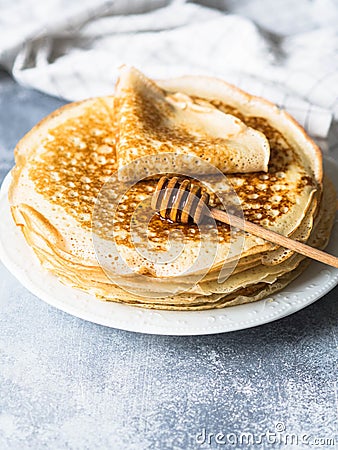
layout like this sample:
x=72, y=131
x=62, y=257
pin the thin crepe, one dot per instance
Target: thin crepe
x=63, y=164
x=150, y=122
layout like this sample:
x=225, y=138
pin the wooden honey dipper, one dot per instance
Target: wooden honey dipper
x=180, y=201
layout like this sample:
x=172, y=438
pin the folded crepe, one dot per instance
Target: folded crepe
x=149, y=121
x=64, y=191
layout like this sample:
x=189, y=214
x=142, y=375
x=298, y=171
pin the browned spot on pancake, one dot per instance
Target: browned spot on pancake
x=149, y=120
x=80, y=157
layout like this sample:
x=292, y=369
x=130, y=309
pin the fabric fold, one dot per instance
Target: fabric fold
x=73, y=50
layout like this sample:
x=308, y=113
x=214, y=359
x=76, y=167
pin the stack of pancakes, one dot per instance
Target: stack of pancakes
x=66, y=197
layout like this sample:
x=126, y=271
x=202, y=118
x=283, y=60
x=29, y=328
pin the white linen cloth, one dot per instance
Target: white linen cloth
x=284, y=50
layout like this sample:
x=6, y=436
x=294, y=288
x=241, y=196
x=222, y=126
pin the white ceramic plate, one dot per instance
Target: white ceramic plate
x=21, y=261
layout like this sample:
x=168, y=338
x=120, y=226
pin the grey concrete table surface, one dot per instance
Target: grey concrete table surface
x=70, y=384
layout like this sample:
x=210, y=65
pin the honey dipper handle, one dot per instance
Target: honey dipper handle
x=274, y=237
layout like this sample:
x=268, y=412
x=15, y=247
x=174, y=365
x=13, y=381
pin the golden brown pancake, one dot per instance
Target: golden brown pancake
x=148, y=122
x=68, y=159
